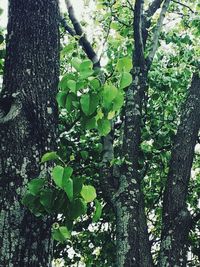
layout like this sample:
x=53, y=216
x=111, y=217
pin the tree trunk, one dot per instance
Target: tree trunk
x=133, y=246
x=28, y=122
x=176, y=217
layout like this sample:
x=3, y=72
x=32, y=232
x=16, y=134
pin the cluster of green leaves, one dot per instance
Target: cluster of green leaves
x=63, y=194
x=94, y=102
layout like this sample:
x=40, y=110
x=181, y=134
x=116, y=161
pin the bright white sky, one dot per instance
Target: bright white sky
x=78, y=7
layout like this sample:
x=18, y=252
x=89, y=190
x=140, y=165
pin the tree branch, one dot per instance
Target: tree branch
x=139, y=60
x=157, y=32
x=184, y=5
x=64, y=24
x=176, y=217
x=153, y=7
x=83, y=39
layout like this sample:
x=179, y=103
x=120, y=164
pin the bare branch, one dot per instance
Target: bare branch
x=184, y=5
x=157, y=32
x=87, y=47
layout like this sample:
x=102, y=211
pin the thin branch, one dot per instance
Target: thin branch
x=139, y=60
x=120, y=21
x=157, y=32
x=87, y=47
x=184, y=5
x=130, y=5
x=64, y=24
x=153, y=7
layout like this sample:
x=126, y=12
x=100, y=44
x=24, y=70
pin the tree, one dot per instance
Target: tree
x=28, y=124
x=126, y=194
x=130, y=129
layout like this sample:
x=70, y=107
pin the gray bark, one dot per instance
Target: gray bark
x=27, y=127
x=176, y=217
x=133, y=247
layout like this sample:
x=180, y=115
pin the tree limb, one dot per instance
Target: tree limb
x=153, y=7
x=83, y=39
x=176, y=218
x=184, y=5
x=139, y=60
x=157, y=32
x=64, y=24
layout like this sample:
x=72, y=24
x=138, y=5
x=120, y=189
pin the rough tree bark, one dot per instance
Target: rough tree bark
x=176, y=217
x=28, y=125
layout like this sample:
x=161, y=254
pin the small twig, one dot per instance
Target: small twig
x=120, y=21
x=184, y=5
x=131, y=6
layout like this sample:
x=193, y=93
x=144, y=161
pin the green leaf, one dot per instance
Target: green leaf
x=57, y=175
x=124, y=64
x=85, y=103
x=72, y=85
x=67, y=49
x=61, y=99
x=86, y=73
x=71, y=101
x=84, y=154
x=68, y=187
x=77, y=185
x=76, y=63
x=98, y=211
x=46, y=198
x=35, y=186
x=65, y=232
x=80, y=85
x=49, y=156
x=28, y=199
x=89, y=103
x=126, y=80
x=109, y=93
x=118, y=101
x=63, y=83
x=67, y=172
x=104, y=127
x=78, y=208
x=88, y=193
x=95, y=84
x=86, y=65
x=90, y=124
x=61, y=234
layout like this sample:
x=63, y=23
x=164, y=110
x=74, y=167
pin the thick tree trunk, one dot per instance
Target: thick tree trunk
x=133, y=247
x=28, y=123
x=176, y=217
